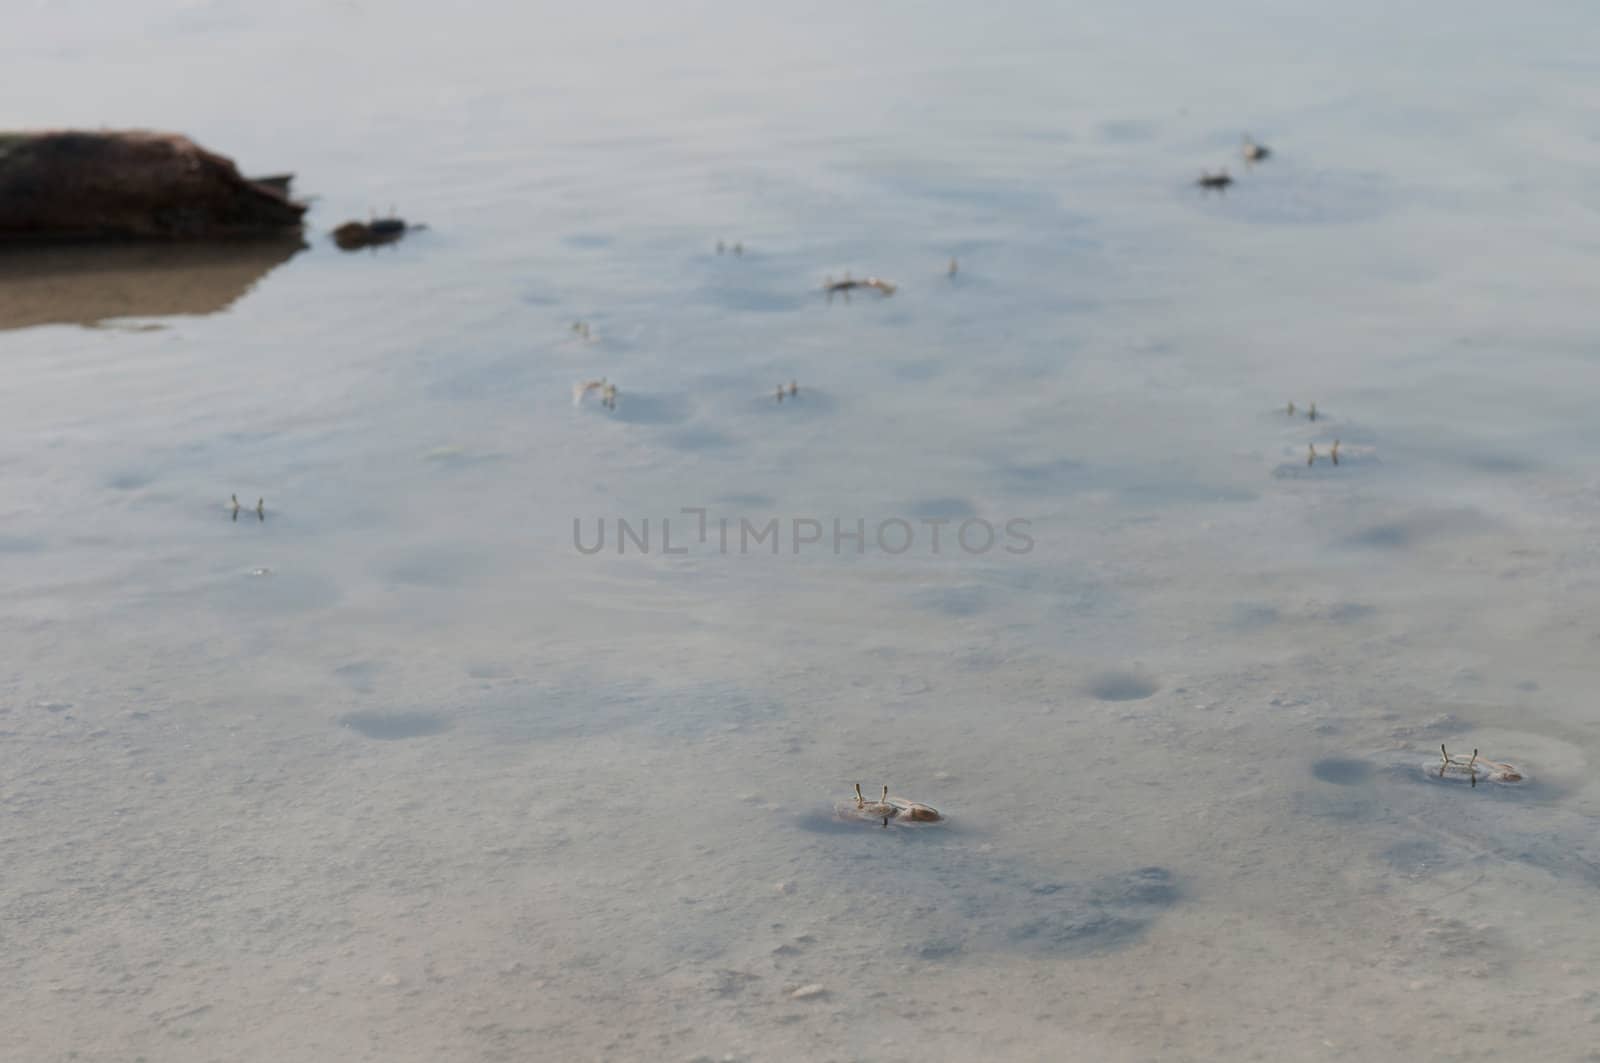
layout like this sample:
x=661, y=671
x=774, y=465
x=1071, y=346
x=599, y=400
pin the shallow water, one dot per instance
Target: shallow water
x=400, y=773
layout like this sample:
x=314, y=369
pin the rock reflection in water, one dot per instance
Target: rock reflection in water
x=79, y=284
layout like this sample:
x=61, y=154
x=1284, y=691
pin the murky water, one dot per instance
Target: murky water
x=400, y=773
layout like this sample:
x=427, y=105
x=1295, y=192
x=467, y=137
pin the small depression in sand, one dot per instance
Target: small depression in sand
x=1342, y=771
x=1121, y=685
x=955, y=899
x=943, y=509
x=130, y=480
x=643, y=408
x=1420, y=823
x=389, y=726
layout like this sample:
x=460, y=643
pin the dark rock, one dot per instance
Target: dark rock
x=68, y=184
x=278, y=182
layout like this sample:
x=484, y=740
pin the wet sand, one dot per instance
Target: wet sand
x=398, y=773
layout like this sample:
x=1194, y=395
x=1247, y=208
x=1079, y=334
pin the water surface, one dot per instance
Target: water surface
x=398, y=773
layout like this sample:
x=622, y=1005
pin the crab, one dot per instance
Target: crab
x=607, y=390
x=354, y=235
x=1253, y=152
x=261, y=507
x=1471, y=768
x=886, y=809
x=848, y=285
x=1218, y=181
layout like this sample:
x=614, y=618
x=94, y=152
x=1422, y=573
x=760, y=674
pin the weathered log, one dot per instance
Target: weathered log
x=131, y=185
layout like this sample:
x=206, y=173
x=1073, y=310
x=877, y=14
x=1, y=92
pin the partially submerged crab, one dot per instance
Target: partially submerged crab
x=886, y=809
x=607, y=390
x=261, y=507
x=846, y=286
x=354, y=235
x=1321, y=461
x=1333, y=452
x=1472, y=768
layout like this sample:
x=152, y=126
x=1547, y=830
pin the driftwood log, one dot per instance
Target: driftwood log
x=132, y=185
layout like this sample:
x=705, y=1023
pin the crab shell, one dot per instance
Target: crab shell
x=916, y=812
x=895, y=810
x=1463, y=769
